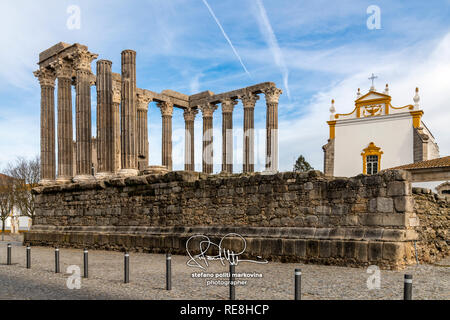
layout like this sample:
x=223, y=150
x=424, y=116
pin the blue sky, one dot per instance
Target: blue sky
x=314, y=50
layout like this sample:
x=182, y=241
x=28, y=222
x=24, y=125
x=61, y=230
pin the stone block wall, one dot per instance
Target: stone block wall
x=433, y=212
x=288, y=216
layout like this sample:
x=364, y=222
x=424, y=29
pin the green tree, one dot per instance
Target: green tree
x=301, y=165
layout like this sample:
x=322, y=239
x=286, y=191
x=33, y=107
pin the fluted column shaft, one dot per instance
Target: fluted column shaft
x=208, y=152
x=142, y=115
x=272, y=96
x=249, y=102
x=64, y=71
x=189, y=156
x=84, y=77
x=129, y=111
x=47, y=81
x=227, y=135
x=166, y=112
x=116, y=145
x=105, y=133
x=83, y=123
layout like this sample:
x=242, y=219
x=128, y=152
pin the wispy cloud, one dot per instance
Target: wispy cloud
x=272, y=42
x=226, y=37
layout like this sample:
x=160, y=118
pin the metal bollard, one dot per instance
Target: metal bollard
x=298, y=284
x=28, y=257
x=407, y=292
x=86, y=263
x=56, y=260
x=8, y=254
x=168, y=271
x=127, y=268
x=232, y=288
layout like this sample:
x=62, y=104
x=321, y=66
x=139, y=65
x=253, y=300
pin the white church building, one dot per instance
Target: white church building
x=376, y=135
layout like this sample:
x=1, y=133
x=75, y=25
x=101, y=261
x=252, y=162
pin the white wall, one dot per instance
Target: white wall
x=392, y=133
x=24, y=223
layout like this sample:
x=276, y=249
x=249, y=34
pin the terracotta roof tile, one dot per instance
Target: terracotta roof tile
x=434, y=163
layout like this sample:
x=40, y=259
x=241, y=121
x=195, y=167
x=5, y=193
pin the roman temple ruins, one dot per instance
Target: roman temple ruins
x=103, y=194
x=121, y=143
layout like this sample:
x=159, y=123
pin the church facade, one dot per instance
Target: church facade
x=376, y=135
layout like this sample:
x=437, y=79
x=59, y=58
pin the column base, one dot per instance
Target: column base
x=64, y=180
x=269, y=172
x=104, y=175
x=129, y=172
x=156, y=170
x=46, y=182
x=83, y=178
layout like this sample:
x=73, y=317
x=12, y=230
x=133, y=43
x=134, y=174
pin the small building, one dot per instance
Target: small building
x=444, y=190
x=376, y=135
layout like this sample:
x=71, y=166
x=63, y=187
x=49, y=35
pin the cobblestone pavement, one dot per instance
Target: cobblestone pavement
x=147, y=279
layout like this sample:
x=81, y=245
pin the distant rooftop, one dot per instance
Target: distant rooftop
x=435, y=163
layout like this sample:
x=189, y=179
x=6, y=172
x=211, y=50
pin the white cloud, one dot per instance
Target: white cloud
x=226, y=37
x=403, y=71
x=272, y=42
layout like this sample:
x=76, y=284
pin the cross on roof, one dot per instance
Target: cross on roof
x=373, y=77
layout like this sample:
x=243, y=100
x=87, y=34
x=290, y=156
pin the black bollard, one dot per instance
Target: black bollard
x=126, y=268
x=407, y=292
x=168, y=271
x=298, y=284
x=232, y=288
x=8, y=254
x=56, y=260
x=28, y=257
x=86, y=263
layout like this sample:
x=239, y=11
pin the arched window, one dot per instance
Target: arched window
x=371, y=159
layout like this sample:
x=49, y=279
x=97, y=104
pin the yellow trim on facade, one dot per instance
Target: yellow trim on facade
x=332, y=125
x=371, y=150
x=409, y=106
x=417, y=117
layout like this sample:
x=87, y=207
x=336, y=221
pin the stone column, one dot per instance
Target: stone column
x=166, y=113
x=105, y=130
x=47, y=81
x=64, y=73
x=272, y=95
x=189, y=153
x=117, y=96
x=142, y=130
x=249, y=102
x=227, y=135
x=128, y=114
x=208, y=153
x=82, y=64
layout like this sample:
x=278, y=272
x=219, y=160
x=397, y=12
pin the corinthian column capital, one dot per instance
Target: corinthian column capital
x=166, y=108
x=142, y=101
x=249, y=100
x=228, y=105
x=208, y=109
x=82, y=60
x=117, y=89
x=46, y=77
x=63, y=68
x=189, y=114
x=272, y=94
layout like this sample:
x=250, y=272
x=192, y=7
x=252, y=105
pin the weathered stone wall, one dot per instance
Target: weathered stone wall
x=433, y=212
x=287, y=216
